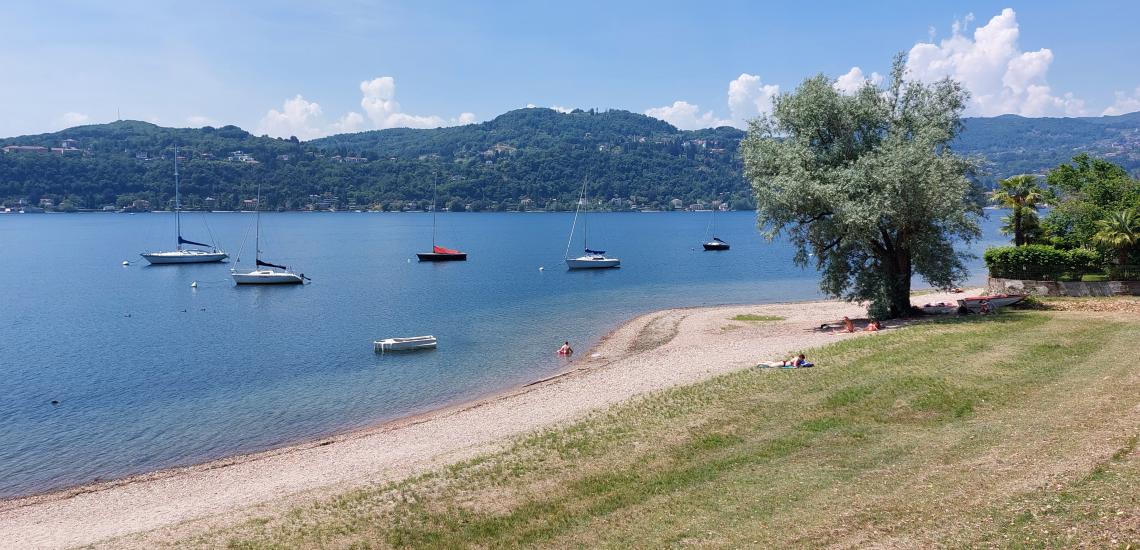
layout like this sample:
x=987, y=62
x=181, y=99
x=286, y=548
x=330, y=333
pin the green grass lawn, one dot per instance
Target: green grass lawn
x=752, y=317
x=1015, y=430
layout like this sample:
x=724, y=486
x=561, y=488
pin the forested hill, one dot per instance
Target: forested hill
x=529, y=158
x=1018, y=145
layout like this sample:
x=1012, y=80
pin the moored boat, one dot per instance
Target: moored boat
x=183, y=255
x=715, y=244
x=593, y=259
x=273, y=274
x=441, y=254
x=404, y=344
x=590, y=259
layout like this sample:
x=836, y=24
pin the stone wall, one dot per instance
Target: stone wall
x=1063, y=288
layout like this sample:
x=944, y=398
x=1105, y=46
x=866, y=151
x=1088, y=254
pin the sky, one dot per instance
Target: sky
x=309, y=69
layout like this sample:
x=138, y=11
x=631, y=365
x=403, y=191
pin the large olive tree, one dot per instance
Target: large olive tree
x=868, y=184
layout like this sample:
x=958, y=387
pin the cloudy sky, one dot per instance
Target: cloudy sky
x=300, y=68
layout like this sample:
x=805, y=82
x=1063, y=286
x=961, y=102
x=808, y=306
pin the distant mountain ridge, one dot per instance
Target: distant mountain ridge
x=530, y=158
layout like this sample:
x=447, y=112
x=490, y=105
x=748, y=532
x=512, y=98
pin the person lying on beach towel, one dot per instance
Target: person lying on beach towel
x=796, y=362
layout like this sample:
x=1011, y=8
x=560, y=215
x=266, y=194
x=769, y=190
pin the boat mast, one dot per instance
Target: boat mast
x=177, y=202
x=585, y=218
x=434, y=192
x=257, y=229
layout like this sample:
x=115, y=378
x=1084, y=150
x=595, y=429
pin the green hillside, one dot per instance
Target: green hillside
x=527, y=158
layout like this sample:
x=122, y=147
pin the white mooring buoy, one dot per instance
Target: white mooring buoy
x=126, y=262
x=194, y=284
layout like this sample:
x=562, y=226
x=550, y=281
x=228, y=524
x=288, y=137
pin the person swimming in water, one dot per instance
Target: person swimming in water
x=565, y=349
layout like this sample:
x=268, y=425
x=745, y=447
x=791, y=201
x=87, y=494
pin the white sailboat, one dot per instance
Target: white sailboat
x=183, y=255
x=265, y=273
x=590, y=259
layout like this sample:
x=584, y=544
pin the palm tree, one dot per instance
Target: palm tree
x=1020, y=194
x=1119, y=231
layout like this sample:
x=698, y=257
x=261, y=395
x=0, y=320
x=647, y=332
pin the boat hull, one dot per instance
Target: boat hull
x=715, y=246
x=267, y=277
x=184, y=257
x=592, y=263
x=437, y=257
x=414, y=343
x=974, y=303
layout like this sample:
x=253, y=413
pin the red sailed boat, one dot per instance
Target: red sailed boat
x=441, y=254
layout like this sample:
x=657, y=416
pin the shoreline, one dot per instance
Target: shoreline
x=15, y=501
x=650, y=352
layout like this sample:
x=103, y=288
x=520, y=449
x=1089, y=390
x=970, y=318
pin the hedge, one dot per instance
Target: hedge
x=1041, y=262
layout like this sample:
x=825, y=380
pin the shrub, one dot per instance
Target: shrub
x=1083, y=261
x=1040, y=262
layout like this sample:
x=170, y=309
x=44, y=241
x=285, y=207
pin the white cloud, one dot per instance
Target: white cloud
x=198, y=121
x=305, y=119
x=297, y=117
x=379, y=103
x=561, y=109
x=352, y=121
x=749, y=98
x=74, y=119
x=686, y=116
x=1124, y=103
x=531, y=106
x=854, y=79
x=1000, y=77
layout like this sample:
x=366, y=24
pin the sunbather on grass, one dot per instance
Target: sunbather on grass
x=796, y=362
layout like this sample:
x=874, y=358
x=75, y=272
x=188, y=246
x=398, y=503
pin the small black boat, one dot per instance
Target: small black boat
x=441, y=254
x=716, y=244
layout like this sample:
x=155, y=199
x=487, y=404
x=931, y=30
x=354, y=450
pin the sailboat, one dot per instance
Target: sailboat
x=716, y=243
x=272, y=274
x=183, y=255
x=590, y=259
x=439, y=253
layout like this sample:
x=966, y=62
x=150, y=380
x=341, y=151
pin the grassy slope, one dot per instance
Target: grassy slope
x=1016, y=430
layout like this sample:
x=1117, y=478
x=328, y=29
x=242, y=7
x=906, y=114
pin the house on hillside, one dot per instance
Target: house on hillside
x=25, y=149
x=238, y=156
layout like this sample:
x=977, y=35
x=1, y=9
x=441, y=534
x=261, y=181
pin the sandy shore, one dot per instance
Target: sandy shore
x=651, y=352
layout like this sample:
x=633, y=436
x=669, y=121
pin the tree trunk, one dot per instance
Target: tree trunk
x=897, y=284
x=1018, y=236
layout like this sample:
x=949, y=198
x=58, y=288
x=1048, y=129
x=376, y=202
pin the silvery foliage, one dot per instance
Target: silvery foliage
x=868, y=184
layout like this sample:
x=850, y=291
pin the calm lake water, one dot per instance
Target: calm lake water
x=151, y=373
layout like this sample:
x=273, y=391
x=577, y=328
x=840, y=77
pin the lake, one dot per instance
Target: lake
x=151, y=373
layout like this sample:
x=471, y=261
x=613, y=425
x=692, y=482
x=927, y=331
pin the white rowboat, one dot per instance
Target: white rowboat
x=404, y=344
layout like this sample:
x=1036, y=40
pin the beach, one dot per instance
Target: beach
x=651, y=352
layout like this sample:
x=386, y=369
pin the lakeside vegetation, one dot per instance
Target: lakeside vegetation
x=752, y=317
x=524, y=159
x=949, y=433
x=1093, y=231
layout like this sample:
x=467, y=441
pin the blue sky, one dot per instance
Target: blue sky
x=306, y=69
